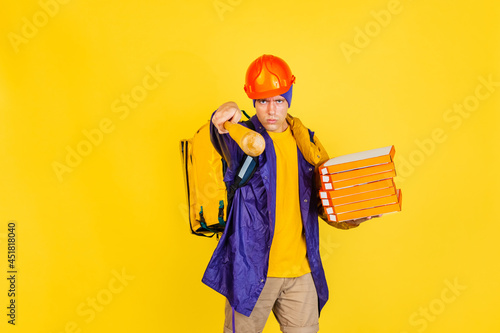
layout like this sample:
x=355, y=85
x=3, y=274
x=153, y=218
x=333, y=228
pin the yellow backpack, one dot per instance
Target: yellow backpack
x=207, y=195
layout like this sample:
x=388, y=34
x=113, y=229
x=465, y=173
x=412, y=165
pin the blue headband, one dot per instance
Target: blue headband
x=287, y=96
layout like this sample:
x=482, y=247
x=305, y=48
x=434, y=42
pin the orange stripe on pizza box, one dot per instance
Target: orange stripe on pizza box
x=332, y=194
x=387, y=200
x=358, y=160
x=396, y=207
x=358, y=181
x=357, y=173
x=348, y=199
x=354, y=206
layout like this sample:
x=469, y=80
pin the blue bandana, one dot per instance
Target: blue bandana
x=287, y=95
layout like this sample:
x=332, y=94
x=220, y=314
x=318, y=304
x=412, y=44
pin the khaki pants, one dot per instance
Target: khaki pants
x=294, y=302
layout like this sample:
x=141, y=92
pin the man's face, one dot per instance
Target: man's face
x=272, y=113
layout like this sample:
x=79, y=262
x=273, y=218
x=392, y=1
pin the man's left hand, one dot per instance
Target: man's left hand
x=357, y=222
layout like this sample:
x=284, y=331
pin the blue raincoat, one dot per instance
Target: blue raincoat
x=238, y=267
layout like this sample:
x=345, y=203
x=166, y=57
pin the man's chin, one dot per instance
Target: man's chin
x=277, y=128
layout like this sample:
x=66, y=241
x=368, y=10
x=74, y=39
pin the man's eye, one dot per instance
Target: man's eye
x=262, y=101
x=279, y=101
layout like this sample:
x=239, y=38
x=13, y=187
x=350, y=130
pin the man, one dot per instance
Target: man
x=268, y=257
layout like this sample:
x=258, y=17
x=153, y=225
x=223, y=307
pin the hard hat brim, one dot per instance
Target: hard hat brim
x=267, y=94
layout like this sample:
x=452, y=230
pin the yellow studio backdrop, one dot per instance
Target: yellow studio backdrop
x=95, y=97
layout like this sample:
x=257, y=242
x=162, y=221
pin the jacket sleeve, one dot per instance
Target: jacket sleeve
x=321, y=209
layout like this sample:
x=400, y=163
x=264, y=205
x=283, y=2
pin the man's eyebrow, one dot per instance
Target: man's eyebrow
x=270, y=98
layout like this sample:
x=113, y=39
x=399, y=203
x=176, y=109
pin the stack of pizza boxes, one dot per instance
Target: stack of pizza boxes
x=359, y=185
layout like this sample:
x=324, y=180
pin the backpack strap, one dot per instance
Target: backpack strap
x=244, y=173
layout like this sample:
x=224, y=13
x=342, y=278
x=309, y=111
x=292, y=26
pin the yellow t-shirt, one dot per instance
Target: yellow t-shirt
x=288, y=256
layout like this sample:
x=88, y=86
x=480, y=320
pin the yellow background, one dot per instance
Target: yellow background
x=122, y=208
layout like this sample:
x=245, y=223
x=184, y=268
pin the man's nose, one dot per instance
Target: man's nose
x=272, y=107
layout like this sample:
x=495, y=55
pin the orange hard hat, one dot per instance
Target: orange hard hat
x=268, y=76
